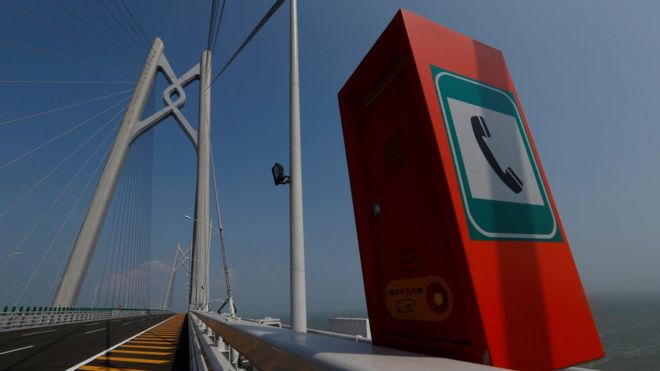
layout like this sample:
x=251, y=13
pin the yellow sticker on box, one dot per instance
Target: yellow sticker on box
x=426, y=298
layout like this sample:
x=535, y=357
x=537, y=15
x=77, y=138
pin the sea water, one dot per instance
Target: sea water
x=629, y=327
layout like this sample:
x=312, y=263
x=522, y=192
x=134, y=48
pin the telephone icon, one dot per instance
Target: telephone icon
x=509, y=176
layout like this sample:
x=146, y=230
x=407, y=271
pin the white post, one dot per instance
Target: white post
x=298, y=296
x=76, y=269
x=200, y=252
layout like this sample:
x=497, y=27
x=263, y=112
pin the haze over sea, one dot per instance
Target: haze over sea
x=629, y=327
x=628, y=324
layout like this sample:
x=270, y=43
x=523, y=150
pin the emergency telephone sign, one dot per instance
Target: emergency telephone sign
x=463, y=251
x=501, y=187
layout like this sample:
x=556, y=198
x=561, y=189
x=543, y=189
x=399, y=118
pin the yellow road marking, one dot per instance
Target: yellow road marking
x=103, y=368
x=133, y=360
x=144, y=347
x=143, y=352
x=152, y=342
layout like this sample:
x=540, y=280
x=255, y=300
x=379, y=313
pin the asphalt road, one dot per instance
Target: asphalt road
x=62, y=346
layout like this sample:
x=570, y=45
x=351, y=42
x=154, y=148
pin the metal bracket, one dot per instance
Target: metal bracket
x=177, y=85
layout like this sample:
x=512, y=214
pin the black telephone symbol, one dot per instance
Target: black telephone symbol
x=509, y=176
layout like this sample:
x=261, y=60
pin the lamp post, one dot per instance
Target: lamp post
x=298, y=294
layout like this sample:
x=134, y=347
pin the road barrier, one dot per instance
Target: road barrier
x=269, y=347
x=14, y=318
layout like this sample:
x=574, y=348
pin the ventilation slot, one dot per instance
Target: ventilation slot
x=408, y=260
x=393, y=155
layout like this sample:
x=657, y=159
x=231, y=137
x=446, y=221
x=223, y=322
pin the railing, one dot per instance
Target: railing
x=275, y=348
x=27, y=317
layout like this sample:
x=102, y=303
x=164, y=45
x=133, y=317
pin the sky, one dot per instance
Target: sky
x=585, y=71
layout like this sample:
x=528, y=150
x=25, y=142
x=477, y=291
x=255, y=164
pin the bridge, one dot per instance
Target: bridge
x=118, y=325
x=76, y=223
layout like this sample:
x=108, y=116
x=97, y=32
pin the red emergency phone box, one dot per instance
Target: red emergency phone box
x=462, y=250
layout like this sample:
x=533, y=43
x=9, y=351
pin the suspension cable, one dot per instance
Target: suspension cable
x=111, y=28
x=90, y=27
x=119, y=206
x=71, y=105
x=52, y=26
x=214, y=8
x=65, y=57
x=114, y=17
x=221, y=231
x=247, y=40
x=217, y=27
x=75, y=204
x=144, y=35
x=125, y=231
x=60, y=135
x=128, y=17
x=57, y=198
x=64, y=82
x=56, y=167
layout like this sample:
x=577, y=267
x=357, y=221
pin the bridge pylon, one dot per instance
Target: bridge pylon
x=131, y=128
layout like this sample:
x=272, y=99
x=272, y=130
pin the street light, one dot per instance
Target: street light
x=213, y=229
x=278, y=174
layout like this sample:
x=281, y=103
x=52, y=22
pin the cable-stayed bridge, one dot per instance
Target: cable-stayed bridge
x=111, y=184
x=82, y=214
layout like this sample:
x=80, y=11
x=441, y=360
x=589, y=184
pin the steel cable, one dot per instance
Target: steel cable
x=144, y=35
x=119, y=207
x=64, y=82
x=59, y=136
x=126, y=17
x=53, y=27
x=247, y=40
x=66, y=57
x=57, y=109
x=52, y=204
x=116, y=272
x=114, y=17
x=102, y=19
x=217, y=27
x=66, y=187
x=54, y=169
x=103, y=36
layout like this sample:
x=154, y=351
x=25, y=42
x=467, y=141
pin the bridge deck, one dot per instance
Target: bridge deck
x=164, y=347
x=63, y=346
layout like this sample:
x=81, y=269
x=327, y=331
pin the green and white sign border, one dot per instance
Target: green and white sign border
x=481, y=233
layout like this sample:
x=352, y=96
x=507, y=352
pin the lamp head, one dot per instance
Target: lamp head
x=278, y=174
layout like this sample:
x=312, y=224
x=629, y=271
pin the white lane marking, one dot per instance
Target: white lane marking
x=16, y=350
x=127, y=323
x=90, y=359
x=97, y=330
x=92, y=324
x=39, y=332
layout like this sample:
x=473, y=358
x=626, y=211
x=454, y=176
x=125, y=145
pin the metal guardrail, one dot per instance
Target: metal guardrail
x=15, y=318
x=355, y=338
x=195, y=352
x=207, y=348
x=275, y=348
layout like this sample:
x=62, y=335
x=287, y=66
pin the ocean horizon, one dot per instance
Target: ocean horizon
x=628, y=325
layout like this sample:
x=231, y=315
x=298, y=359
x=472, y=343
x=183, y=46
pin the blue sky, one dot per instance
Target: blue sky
x=586, y=73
